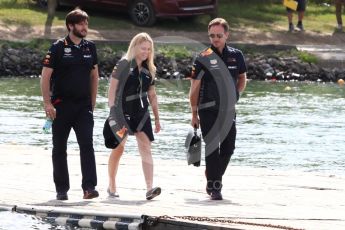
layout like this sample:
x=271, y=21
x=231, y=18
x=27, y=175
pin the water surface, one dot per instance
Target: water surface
x=286, y=126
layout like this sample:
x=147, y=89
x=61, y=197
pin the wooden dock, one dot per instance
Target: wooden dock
x=253, y=198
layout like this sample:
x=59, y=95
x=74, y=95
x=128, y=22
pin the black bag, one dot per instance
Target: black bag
x=193, y=148
x=110, y=141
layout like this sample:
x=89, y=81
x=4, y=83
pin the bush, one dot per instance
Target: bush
x=174, y=51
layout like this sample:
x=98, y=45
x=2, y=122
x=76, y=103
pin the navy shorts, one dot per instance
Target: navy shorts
x=300, y=7
x=140, y=122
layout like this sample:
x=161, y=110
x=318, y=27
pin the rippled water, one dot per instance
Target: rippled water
x=17, y=221
x=283, y=126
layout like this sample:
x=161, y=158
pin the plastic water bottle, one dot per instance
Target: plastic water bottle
x=47, y=125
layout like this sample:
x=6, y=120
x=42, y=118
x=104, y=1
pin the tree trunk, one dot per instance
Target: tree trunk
x=51, y=6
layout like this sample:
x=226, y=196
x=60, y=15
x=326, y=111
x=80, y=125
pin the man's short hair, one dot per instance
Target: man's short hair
x=219, y=21
x=76, y=16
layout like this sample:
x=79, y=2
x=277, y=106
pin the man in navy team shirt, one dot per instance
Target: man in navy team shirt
x=218, y=76
x=69, y=87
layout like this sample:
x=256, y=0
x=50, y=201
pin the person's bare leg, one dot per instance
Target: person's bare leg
x=289, y=16
x=300, y=16
x=300, y=20
x=113, y=165
x=144, y=146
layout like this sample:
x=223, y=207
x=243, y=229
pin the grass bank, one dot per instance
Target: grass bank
x=168, y=51
x=262, y=15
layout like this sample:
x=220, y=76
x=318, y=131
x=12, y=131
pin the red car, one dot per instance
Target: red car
x=145, y=12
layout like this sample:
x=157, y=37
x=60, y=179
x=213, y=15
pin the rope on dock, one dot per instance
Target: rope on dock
x=222, y=220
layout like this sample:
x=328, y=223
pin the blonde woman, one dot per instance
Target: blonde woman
x=131, y=91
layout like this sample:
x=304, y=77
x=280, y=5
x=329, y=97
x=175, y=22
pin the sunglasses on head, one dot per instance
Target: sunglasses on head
x=216, y=35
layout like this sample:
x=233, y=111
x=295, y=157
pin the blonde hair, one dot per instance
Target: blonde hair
x=219, y=21
x=131, y=52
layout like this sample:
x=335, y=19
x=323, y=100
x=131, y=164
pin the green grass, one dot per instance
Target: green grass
x=25, y=13
x=174, y=51
x=263, y=15
x=272, y=16
x=307, y=57
x=302, y=55
x=38, y=44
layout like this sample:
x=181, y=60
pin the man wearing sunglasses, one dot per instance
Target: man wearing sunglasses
x=218, y=76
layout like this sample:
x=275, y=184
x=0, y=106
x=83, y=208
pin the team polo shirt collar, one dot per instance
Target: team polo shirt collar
x=69, y=42
x=217, y=52
x=144, y=67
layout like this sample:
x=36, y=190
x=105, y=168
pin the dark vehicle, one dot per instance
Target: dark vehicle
x=145, y=12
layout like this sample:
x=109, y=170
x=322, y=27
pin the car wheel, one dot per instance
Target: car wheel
x=142, y=13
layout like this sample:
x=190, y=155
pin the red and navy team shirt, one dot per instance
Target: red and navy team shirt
x=72, y=65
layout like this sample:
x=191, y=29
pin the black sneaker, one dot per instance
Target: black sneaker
x=90, y=194
x=300, y=26
x=61, y=196
x=216, y=195
x=291, y=27
x=153, y=193
x=208, y=190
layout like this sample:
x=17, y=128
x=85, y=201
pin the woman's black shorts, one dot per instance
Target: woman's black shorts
x=140, y=122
